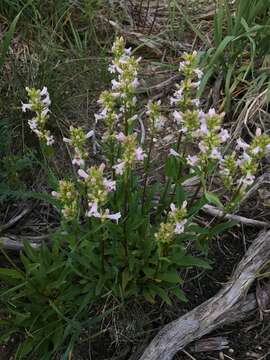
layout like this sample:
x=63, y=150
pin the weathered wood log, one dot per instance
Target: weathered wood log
x=230, y=304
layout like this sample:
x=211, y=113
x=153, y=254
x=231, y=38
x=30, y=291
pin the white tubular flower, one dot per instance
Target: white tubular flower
x=114, y=217
x=203, y=147
x=83, y=174
x=49, y=140
x=258, y=132
x=110, y=185
x=93, y=210
x=241, y=144
x=192, y=160
x=26, y=107
x=247, y=180
x=178, y=117
x=120, y=137
x=120, y=167
x=196, y=102
x=199, y=73
x=223, y=135
x=215, y=154
x=139, y=154
x=180, y=226
x=77, y=160
x=174, y=153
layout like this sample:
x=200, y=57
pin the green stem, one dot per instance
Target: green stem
x=147, y=167
x=195, y=195
x=10, y=260
x=168, y=182
x=126, y=212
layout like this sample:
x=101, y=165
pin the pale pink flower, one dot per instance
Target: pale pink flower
x=93, y=210
x=196, y=102
x=26, y=107
x=180, y=227
x=178, y=117
x=44, y=91
x=258, y=132
x=114, y=217
x=83, y=174
x=139, y=154
x=77, y=160
x=89, y=134
x=33, y=124
x=215, y=154
x=110, y=185
x=184, y=205
x=55, y=194
x=192, y=160
x=45, y=112
x=47, y=101
x=203, y=147
x=49, y=140
x=199, y=73
x=247, y=180
x=256, y=150
x=66, y=140
x=241, y=144
x=172, y=207
x=223, y=135
x=120, y=137
x=119, y=168
x=173, y=153
x=212, y=112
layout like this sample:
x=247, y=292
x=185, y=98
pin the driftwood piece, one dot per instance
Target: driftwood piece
x=230, y=304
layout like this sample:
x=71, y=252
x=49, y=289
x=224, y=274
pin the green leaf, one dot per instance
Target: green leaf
x=149, y=272
x=179, y=294
x=213, y=199
x=161, y=293
x=170, y=276
x=7, y=274
x=148, y=296
x=220, y=228
x=125, y=278
x=190, y=260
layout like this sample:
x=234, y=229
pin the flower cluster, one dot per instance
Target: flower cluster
x=131, y=152
x=118, y=103
x=108, y=113
x=68, y=196
x=175, y=224
x=97, y=189
x=39, y=102
x=156, y=121
x=210, y=136
x=246, y=164
x=186, y=112
x=194, y=123
x=78, y=140
x=126, y=67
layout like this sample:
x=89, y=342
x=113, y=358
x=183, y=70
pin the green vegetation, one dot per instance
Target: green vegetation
x=123, y=225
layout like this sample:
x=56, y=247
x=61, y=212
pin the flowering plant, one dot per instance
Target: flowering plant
x=125, y=241
x=124, y=232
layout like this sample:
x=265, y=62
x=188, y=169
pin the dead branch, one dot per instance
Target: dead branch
x=15, y=219
x=230, y=304
x=209, y=209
